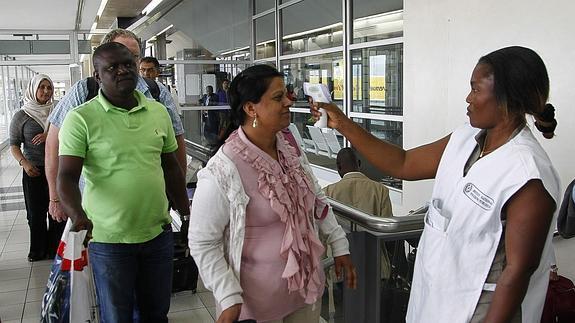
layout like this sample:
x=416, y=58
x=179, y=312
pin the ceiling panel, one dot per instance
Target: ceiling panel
x=39, y=15
x=61, y=15
x=120, y=8
x=58, y=73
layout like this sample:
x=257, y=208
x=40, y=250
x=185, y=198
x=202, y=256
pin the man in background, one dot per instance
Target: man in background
x=223, y=93
x=209, y=98
x=358, y=190
x=79, y=93
x=211, y=117
x=149, y=67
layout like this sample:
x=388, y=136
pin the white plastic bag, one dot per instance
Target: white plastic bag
x=83, y=307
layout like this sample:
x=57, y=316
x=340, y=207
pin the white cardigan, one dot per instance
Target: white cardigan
x=217, y=226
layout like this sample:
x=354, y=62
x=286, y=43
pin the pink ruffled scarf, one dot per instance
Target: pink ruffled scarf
x=291, y=196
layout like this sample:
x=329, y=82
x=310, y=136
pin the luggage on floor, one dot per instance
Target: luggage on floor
x=185, y=273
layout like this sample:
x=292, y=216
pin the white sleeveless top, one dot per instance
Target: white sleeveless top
x=463, y=227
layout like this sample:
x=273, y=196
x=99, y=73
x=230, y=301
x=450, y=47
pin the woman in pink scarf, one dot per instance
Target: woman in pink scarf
x=257, y=211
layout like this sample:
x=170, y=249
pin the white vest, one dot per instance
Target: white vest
x=463, y=227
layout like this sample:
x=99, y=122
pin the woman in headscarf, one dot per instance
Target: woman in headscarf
x=29, y=127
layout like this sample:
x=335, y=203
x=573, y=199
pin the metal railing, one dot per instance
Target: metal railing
x=367, y=239
x=410, y=224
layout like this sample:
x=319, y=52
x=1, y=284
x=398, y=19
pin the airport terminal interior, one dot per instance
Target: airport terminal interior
x=399, y=69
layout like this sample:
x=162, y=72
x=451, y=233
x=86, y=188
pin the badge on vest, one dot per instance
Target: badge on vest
x=478, y=197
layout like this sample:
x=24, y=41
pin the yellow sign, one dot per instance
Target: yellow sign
x=377, y=88
x=376, y=84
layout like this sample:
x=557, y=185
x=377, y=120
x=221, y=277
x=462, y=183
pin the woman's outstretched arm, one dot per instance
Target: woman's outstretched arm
x=413, y=164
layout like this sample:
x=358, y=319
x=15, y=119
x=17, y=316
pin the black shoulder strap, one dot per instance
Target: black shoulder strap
x=93, y=87
x=154, y=88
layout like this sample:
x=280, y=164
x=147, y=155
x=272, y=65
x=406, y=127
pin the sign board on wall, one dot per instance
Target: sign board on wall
x=193, y=84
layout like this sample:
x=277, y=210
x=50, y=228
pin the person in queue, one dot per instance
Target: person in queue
x=124, y=144
x=28, y=128
x=258, y=251
x=149, y=67
x=486, y=251
x=78, y=94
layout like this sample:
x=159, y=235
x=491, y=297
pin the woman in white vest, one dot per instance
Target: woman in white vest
x=485, y=252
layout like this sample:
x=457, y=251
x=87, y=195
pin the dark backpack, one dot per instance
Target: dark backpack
x=566, y=217
x=93, y=88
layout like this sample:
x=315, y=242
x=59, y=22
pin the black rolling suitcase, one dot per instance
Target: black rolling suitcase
x=185, y=274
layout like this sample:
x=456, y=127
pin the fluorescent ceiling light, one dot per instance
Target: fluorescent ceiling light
x=94, y=27
x=374, y=20
x=151, y=6
x=312, y=31
x=164, y=30
x=102, y=7
x=235, y=50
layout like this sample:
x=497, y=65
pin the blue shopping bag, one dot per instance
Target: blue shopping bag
x=70, y=292
x=56, y=299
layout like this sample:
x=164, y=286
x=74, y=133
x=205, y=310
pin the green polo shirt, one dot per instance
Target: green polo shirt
x=124, y=196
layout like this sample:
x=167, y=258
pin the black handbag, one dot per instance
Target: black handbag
x=185, y=272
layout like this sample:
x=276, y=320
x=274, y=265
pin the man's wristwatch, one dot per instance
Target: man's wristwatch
x=185, y=217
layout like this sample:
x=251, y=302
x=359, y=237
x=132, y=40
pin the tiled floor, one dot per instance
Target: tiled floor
x=22, y=283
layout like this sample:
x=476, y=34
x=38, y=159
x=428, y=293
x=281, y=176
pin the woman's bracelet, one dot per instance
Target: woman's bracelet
x=56, y=200
x=20, y=161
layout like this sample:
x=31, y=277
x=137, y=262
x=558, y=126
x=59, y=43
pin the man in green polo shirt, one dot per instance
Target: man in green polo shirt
x=124, y=143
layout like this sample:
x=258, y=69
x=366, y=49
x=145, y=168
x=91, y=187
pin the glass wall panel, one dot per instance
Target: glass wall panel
x=391, y=131
x=311, y=25
x=270, y=63
x=320, y=145
x=13, y=95
x=265, y=36
x=205, y=127
x=3, y=110
x=377, y=19
x=191, y=80
x=378, y=80
x=215, y=26
x=326, y=69
x=22, y=81
x=263, y=5
x=232, y=69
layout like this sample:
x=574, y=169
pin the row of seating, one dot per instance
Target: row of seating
x=323, y=140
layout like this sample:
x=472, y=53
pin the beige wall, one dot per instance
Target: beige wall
x=443, y=41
